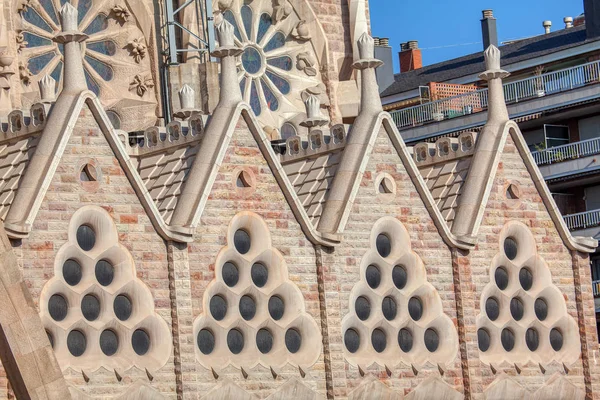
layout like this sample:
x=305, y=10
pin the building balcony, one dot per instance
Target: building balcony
x=585, y=224
x=571, y=151
x=596, y=288
x=523, y=97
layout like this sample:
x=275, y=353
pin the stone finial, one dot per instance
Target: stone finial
x=366, y=47
x=187, y=97
x=492, y=58
x=225, y=34
x=313, y=112
x=68, y=18
x=47, y=89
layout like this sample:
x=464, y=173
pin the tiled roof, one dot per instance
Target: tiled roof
x=311, y=178
x=473, y=63
x=14, y=158
x=164, y=174
x=445, y=181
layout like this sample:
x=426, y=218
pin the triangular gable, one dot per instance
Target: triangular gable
x=44, y=162
x=384, y=120
x=192, y=208
x=471, y=210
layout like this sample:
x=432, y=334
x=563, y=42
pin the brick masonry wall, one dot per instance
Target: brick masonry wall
x=64, y=197
x=530, y=210
x=343, y=268
x=225, y=201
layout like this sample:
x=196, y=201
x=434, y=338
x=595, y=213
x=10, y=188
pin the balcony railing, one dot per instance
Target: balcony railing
x=567, y=152
x=583, y=220
x=514, y=92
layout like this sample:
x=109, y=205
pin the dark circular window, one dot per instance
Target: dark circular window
x=247, y=307
x=72, y=272
x=260, y=274
x=532, y=339
x=235, y=341
x=86, y=237
x=526, y=278
x=122, y=307
x=241, y=241
x=230, y=274
x=276, y=307
x=516, y=308
x=109, y=342
x=251, y=60
x=206, y=341
x=58, y=307
x=492, y=308
x=541, y=309
x=264, y=341
x=388, y=307
x=483, y=338
x=76, y=343
x=50, y=339
x=507, y=337
x=105, y=272
x=218, y=307
x=415, y=308
x=352, y=340
x=405, y=340
x=510, y=248
x=556, y=339
x=378, y=340
x=293, y=340
x=399, y=276
x=383, y=244
x=90, y=307
x=373, y=276
x=140, y=341
x=432, y=340
x=362, y=307
x=501, y=277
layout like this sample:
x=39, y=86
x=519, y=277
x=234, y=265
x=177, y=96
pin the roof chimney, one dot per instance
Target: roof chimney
x=385, y=73
x=591, y=9
x=568, y=22
x=410, y=56
x=547, y=25
x=488, y=29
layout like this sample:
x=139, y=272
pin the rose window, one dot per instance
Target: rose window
x=278, y=61
x=111, y=58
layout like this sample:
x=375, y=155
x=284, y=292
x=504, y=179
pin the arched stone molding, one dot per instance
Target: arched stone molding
x=253, y=314
x=523, y=315
x=394, y=306
x=96, y=312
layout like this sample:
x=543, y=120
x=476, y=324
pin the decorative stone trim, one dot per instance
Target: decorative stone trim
x=385, y=185
x=318, y=143
x=174, y=135
x=394, y=306
x=94, y=268
x=241, y=304
x=445, y=149
x=523, y=315
x=244, y=181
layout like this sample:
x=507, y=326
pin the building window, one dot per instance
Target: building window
x=556, y=135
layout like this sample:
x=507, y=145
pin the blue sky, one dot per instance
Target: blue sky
x=437, y=23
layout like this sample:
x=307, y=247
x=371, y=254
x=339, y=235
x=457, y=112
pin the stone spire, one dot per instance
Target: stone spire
x=497, y=111
x=74, y=78
x=227, y=51
x=187, y=100
x=370, y=102
x=47, y=89
x=313, y=113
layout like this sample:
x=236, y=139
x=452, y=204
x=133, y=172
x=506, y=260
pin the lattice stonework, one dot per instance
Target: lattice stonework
x=253, y=314
x=395, y=314
x=523, y=314
x=279, y=62
x=116, y=53
x=97, y=313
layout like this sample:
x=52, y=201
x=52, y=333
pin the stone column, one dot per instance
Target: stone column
x=370, y=102
x=227, y=52
x=497, y=111
x=74, y=77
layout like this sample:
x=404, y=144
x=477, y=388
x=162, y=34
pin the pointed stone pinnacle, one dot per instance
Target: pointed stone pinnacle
x=187, y=97
x=492, y=58
x=225, y=34
x=366, y=47
x=312, y=104
x=68, y=18
x=47, y=88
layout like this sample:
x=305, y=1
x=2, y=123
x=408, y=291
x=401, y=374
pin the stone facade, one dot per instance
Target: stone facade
x=209, y=259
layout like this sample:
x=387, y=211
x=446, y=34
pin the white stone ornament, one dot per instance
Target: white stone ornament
x=187, y=97
x=225, y=34
x=47, y=89
x=68, y=18
x=313, y=112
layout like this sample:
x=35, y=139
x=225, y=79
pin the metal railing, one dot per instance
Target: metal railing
x=567, y=151
x=514, y=92
x=587, y=219
x=596, y=288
